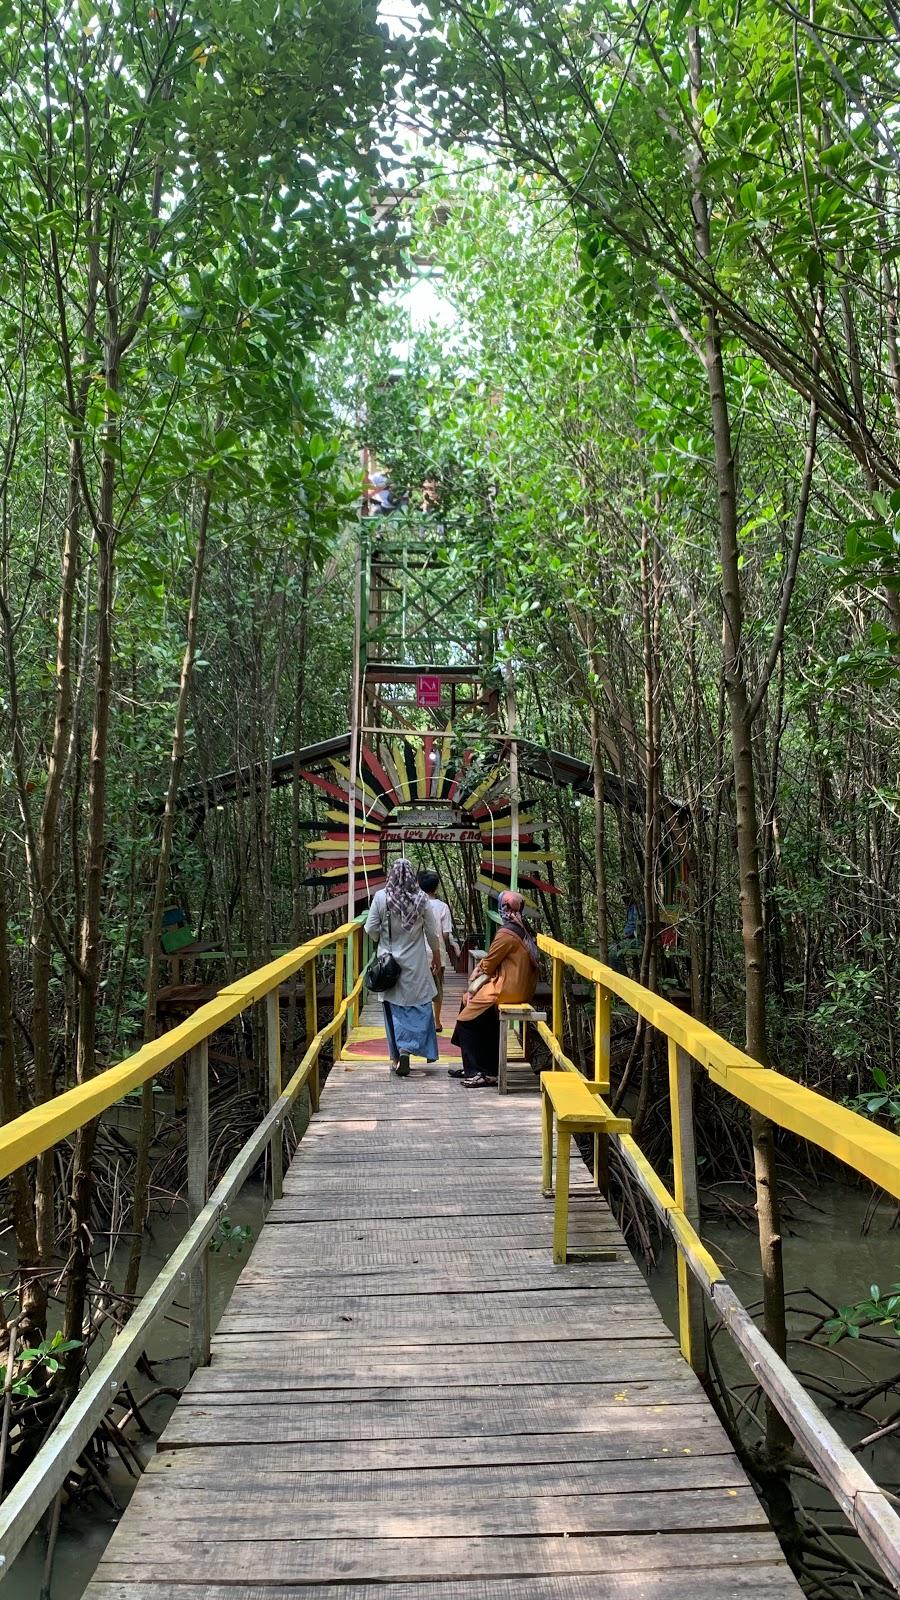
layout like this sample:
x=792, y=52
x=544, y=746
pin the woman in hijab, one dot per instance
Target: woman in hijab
x=507, y=975
x=402, y=921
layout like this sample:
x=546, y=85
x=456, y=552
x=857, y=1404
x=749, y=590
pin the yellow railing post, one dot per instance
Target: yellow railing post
x=361, y=965
x=601, y=1078
x=340, y=956
x=273, y=1058
x=198, y=1193
x=561, y=1209
x=355, y=944
x=557, y=1015
x=311, y=1015
x=546, y=1145
x=691, y=1315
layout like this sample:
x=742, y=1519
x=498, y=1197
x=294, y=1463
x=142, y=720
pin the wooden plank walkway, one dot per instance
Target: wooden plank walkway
x=408, y=1401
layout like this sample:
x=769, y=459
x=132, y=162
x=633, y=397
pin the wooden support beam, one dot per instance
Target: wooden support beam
x=691, y=1317
x=311, y=1011
x=601, y=1078
x=198, y=1194
x=273, y=1061
x=557, y=1012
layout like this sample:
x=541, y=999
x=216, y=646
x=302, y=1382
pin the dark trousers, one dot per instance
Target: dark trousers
x=479, y=1043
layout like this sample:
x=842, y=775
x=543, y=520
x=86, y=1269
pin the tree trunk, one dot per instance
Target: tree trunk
x=89, y=951
x=752, y=928
x=166, y=834
x=597, y=770
x=33, y=1290
x=296, y=855
x=41, y=963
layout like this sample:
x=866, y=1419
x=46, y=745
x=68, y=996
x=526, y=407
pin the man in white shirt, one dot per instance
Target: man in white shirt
x=430, y=882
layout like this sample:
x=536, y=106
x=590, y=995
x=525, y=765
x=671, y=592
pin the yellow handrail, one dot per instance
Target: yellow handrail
x=872, y=1151
x=39, y=1128
x=868, y=1149
x=43, y=1126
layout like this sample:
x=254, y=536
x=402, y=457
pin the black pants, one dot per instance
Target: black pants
x=479, y=1043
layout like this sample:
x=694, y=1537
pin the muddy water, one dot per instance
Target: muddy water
x=84, y=1534
x=826, y=1249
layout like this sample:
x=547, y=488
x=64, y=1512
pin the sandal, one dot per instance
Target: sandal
x=455, y=1072
x=479, y=1081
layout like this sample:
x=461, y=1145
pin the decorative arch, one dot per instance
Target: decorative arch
x=457, y=800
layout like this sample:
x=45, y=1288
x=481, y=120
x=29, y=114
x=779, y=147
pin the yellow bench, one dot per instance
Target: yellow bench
x=519, y=1015
x=576, y=1105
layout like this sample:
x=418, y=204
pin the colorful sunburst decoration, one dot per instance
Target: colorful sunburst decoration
x=417, y=789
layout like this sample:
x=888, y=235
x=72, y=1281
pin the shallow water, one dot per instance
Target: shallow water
x=827, y=1250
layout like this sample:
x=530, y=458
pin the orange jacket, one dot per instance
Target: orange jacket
x=512, y=976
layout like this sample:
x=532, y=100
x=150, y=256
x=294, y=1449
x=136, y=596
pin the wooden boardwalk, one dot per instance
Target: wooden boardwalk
x=408, y=1401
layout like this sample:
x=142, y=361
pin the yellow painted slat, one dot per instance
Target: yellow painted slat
x=481, y=789
x=445, y=747
x=359, y=865
x=333, y=847
x=527, y=826
x=496, y=886
x=421, y=771
x=404, y=790
x=525, y=857
x=385, y=756
x=344, y=772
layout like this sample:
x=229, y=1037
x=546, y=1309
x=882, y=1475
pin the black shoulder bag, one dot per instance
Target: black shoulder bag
x=384, y=971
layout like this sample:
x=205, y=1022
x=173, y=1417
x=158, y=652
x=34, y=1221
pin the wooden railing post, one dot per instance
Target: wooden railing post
x=198, y=1193
x=273, y=1059
x=601, y=1077
x=557, y=1022
x=358, y=963
x=691, y=1315
x=339, y=960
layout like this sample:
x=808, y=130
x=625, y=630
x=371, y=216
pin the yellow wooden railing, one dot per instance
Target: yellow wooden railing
x=187, y=1267
x=868, y=1149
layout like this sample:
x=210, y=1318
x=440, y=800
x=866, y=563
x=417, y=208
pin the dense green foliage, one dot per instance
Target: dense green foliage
x=659, y=420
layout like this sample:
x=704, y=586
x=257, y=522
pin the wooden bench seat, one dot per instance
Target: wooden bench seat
x=576, y=1106
x=511, y=1017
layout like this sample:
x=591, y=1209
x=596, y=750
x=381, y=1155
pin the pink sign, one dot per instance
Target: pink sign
x=428, y=690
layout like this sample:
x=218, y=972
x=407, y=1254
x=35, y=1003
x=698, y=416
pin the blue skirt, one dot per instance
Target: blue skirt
x=410, y=1031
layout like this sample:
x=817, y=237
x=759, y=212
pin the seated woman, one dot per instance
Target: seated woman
x=402, y=921
x=511, y=970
